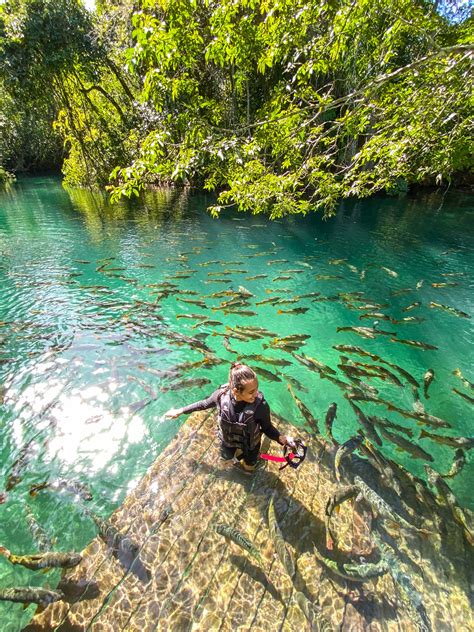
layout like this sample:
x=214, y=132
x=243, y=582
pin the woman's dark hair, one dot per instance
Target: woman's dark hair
x=239, y=374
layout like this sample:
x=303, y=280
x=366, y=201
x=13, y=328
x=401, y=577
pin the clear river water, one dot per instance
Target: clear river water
x=107, y=313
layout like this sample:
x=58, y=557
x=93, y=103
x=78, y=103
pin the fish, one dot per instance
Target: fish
x=382, y=465
x=268, y=360
x=392, y=273
x=193, y=382
x=467, y=384
x=413, y=320
x=445, y=284
x=467, y=443
x=283, y=553
x=344, y=450
x=39, y=535
x=379, y=371
x=382, y=507
x=230, y=533
x=227, y=345
x=451, y=310
x=414, y=343
x=294, y=382
x=336, y=262
x=353, y=572
x=112, y=537
x=340, y=496
x=463, y=395
x=240, y=312
x=380, y=421
x=356, y=350
x=78, y=488
x=459, y=462
x=427, y=379
x=331, y=414
x=272, y=261
x=374, y=316
x=365, y=332
x=407, y=446
x=408, y=308
x=409, y=378
x=208, y=322
x=256, y=276
x=313, y=364
x=48, y=559
x=271, y=299
x=193, y=301
x=366, y=424
x=191, y=316
x=446, y=495
x=419, y=284
x=308, y=295
x=282, y=277
x=411, y=599
x=306, y=413
x=31, y=594
x=328, y=277
x=296, y=310
x=268, y=375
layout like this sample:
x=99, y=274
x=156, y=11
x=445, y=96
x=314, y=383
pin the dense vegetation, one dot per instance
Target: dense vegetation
x=281, y=106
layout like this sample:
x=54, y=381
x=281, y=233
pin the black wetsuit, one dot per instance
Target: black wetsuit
x=261, y=415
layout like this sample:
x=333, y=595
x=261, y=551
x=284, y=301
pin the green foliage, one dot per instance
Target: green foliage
x=280, y=106
x=289, y=106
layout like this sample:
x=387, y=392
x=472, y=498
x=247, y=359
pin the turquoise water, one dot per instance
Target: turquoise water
x=86, y=339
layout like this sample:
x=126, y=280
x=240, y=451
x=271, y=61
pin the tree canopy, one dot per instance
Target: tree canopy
x=280, y=106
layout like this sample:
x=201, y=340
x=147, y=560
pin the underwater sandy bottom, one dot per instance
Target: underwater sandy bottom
x=188, y=577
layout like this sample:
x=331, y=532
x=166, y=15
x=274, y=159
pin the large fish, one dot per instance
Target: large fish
x=313, y=364
x=446, y=495
x=357, y=351
x=333, y=502
x=329, y=420
x=312, y=422
x=78, y=488
x=382, y=507
x=31, y=594
x=353, y=572
x=381, y=421
x=112, y=537
x=49, y=559
x=467, y=443
x=407, y=446
x=427, y=379
x=408, y=308
x=279, y=543
x=415, y=343
x=451, y=310
x=409, y=595
x=366, y=332
x=344, y=450
x=267, y=360
x=233, y=534
x=366, y=424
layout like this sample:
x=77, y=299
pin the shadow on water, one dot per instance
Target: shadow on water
x=257, y=574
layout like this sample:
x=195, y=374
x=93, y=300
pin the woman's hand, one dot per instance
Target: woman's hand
x=289, y=441
x=172, y=413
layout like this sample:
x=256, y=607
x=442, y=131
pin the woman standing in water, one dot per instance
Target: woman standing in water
x=243, y=415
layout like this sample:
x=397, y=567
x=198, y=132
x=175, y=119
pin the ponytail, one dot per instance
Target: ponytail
x=239, y=374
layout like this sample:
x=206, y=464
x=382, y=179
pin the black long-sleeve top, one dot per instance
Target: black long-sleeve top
x=262, y=412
